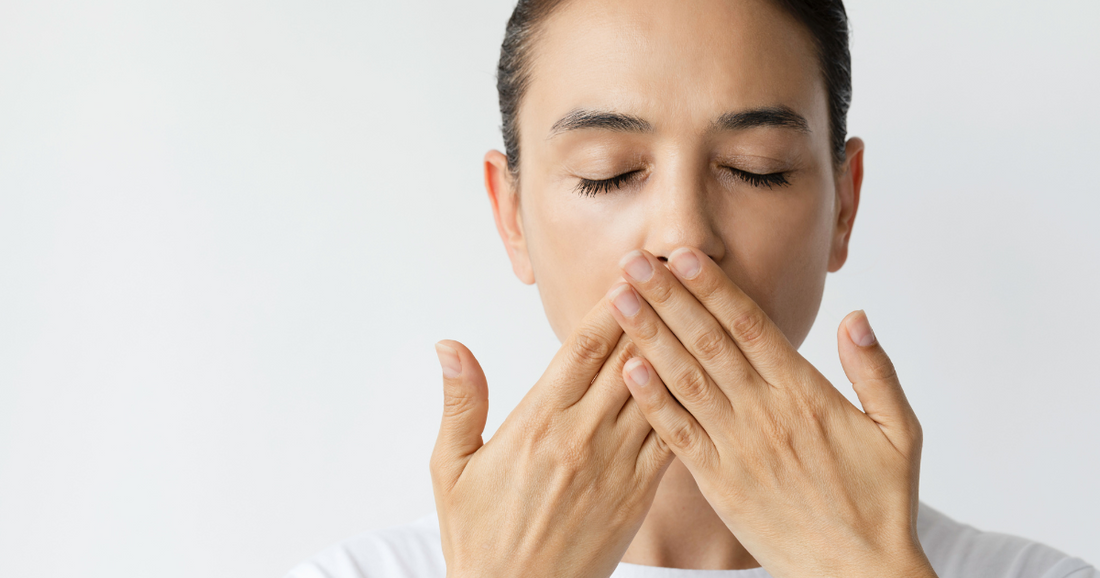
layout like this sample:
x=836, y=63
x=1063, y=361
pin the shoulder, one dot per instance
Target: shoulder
x=959, y=550
x=408, y=551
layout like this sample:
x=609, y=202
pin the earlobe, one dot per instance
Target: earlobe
x=848, y=184
x=504, y=199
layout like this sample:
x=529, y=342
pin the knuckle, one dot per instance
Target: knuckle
x=439, y=468
x=882, y=369
x=437, y=464
x=457, y=403
x=662, y=444
x=589, y=346
x=647, y=331
x=743, y=374
x=628, y=351
x=748, y=327
x=692, y=385
x=916, y=434
x=710, y=346
x=659, y=292
x=912, y=440
x=708, y=286
x=681, y=436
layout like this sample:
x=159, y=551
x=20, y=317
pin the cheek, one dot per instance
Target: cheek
x=780, y=259
x=575, y=250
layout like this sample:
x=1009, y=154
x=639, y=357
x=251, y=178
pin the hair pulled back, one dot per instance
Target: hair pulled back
x=826, y=20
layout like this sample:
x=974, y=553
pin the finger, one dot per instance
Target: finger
x=875, y=382
x=691, y=323
x=465, y=409
x=676, y=428
x=686, y=379
x=631, y=422
x=761, y=341
x=572, y=371
x=654, y=456
x=608, y=393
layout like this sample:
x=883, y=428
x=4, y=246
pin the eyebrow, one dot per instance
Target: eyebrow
x=778, y=116
x=774, y=116
x=614, y=121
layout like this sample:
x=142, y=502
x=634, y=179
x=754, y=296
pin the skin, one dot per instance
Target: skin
x=787, y=463
x=696, y=485
x=680, y=69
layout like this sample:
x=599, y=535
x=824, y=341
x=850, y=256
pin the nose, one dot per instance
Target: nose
x=680, y=216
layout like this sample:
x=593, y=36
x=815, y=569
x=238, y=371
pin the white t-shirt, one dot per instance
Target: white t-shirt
x=955, y=550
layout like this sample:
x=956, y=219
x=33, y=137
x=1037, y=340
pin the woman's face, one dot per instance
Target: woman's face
x=685, y=102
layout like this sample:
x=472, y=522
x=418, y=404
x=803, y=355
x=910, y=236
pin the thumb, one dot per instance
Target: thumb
x=465, y=409
x=876, y=382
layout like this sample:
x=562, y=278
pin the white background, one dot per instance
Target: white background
x=231, y=231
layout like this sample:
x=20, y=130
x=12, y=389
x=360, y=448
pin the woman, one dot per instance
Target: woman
x=678, y=181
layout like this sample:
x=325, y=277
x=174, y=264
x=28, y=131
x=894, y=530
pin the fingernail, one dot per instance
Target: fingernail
x=624, y=299
x=685, y=263
x=448, y=360
x=860, y=330
x=637, y=371
x=637, y=266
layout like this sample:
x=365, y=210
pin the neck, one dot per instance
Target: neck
x=681, y=530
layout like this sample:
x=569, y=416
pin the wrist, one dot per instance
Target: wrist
x=912, y=564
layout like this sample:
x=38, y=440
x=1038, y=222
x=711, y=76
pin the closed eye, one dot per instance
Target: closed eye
x=591, y=188
x=761, y=180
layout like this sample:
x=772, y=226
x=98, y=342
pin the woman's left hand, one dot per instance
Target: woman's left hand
x=808, y=483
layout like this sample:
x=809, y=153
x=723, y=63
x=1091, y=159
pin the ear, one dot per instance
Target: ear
x=504, y=198
x=848, y=182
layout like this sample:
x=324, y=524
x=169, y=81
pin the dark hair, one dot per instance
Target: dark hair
x=825, y=19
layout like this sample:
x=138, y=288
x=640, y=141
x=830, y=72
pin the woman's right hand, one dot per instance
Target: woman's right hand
x=564, y=484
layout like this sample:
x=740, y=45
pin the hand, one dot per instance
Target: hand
x=564, y=484
x=809, y=484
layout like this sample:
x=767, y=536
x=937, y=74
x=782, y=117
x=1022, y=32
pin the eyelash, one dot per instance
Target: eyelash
x=757, y=180
x=591, y=188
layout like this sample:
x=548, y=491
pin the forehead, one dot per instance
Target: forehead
x=677, y=63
